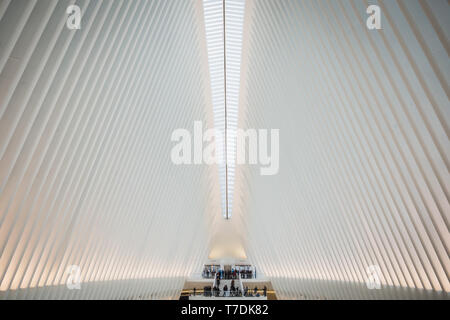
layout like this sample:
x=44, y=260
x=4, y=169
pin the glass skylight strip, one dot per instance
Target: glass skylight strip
x=225, y=55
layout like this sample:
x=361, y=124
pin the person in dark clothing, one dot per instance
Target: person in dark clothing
x=265, y=291
x=225, y=289
x=255, y=290
x=232, y=288
x=194, y=291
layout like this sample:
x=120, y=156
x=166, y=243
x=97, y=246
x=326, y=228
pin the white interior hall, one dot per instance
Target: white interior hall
x=224, y=149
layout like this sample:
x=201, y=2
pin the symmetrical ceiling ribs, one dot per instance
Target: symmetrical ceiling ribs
x=364, y=121
x=224, y=42
x=86, y=118
x=86, y=178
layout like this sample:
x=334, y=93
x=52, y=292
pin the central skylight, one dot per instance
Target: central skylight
x=224, y=24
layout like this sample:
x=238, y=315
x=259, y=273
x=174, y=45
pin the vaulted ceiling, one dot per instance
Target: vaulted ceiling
x=86, y=178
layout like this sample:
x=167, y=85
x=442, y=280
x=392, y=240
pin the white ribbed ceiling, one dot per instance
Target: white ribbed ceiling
x=86, y=177
x=364, y=147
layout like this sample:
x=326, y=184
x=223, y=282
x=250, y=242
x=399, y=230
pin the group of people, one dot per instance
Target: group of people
x=212, y=271
x=232, y=273
x=228, y=274
x=249, y=293
x=247, y=274
x=233, y=291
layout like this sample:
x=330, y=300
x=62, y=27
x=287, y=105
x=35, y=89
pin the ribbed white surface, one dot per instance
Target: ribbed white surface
x=86, y=118
x=364, y=151
x=86, y=178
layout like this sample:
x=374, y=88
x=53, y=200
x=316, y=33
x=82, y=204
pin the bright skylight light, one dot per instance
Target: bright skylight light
x=219, y=65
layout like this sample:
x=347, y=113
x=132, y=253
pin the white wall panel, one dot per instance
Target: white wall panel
x=364, y=150
x=86, y=177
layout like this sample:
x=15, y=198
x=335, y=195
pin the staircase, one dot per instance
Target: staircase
x=222, y=285
x=223, y=282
